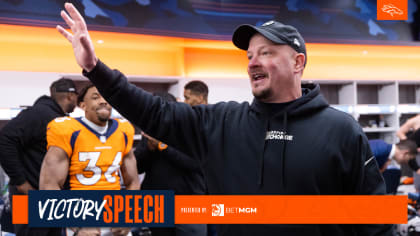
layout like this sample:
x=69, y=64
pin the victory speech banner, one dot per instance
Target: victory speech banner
x=163, y=209
x=97, y=208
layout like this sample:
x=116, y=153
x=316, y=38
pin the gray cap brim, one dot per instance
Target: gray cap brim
x=244, y=33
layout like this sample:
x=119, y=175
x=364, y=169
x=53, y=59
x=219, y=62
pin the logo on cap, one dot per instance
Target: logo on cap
x=296, y=42
x=268, y=23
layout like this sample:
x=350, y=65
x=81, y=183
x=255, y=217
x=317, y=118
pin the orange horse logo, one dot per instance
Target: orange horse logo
x=392, y=10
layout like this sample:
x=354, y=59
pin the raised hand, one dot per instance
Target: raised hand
x=80, y=39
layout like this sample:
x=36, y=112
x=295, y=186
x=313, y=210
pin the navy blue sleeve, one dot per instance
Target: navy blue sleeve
x=380, y=150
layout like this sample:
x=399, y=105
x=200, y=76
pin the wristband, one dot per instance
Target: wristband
x=162, y=146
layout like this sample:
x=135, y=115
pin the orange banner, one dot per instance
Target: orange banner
x=20, y=209
x=274, y=209
x=392, y=9
x=302, y=209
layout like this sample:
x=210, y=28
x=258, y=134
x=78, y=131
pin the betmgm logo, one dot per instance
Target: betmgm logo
x=217, y=209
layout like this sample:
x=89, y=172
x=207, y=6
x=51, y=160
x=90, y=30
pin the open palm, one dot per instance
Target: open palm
x=80, y=39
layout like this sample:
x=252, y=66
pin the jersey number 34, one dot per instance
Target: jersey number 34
x=93, y=157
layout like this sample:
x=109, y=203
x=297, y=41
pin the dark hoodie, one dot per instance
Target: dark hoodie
x=23, y=141
x=306, y=148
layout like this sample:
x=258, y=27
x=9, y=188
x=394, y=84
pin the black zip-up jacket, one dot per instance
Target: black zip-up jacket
x=23, y=141
x=308, y=148
x=169, y=169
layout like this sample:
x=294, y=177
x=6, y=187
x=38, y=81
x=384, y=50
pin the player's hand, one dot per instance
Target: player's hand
x=24, y=188
x=152, y=143
x=80, y=39
x=89, y=232
x=120, y=231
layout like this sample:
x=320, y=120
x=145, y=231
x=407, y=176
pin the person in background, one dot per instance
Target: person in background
x=73, y=145
x=411, y=124
x=393, y=155
x=390, y=157
x=196, y=93
x=169, y=169
x=259, y=148
x=415, y=137
x=23, y=143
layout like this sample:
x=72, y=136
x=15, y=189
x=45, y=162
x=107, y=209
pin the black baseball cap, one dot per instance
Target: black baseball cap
x=63, y=85
x=274, y=31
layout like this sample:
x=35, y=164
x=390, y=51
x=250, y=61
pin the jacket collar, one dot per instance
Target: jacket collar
x=310, y=99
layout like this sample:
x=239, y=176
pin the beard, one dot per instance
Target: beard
x=103, y=116
x=262, y=95
x=70, y=108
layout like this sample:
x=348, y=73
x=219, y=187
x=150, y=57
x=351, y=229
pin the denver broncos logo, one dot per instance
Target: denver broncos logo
x=391, y=9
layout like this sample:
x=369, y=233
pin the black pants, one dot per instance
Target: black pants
x=24, y=230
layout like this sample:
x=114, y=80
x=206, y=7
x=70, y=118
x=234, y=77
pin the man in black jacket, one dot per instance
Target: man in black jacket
x=23, y=143
x=169, y=169
x=288, y=141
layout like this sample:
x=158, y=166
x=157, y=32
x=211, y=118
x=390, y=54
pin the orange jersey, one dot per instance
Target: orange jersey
x=94, y=159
